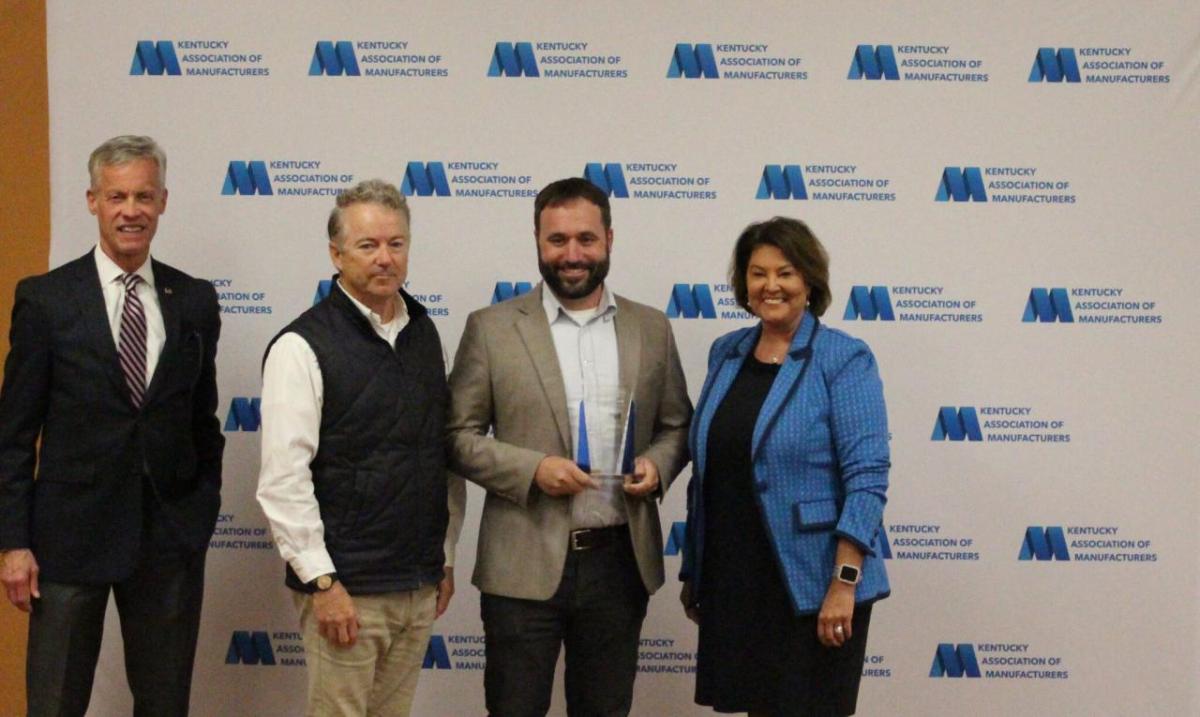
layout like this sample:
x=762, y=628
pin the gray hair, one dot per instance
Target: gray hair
x=368, y=191
x=125, y=149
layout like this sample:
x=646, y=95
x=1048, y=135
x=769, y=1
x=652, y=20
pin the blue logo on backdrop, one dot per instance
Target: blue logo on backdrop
x=247, y=178
x=231, y=533
x=555, y=59
x=1085, y=544
x=650, y=180
x=691, y=301
x=244, y=414
x=705, y=301
x=436, y=655
x=1001, y=660
x=676, y=538
x=425, y=179
x=827, y=182
x=1003, y=424
x=733, y=61
x=781, y=182
x=454, y=652
x=957, y=424
x=961, y=184
x=465, y=179
x=658, y=654
x=1088, y=305
x=869, y=304
x=435, y=302
x=249, y=648
x=1047, y=543
x=920, y=303
x=1103, y=65
x=925, y=541
x=917, y=63
x=877, y=668
x=1003, y=185
x=1053, y=65
x=951, y=661
x=374, y=58
x=511, y=59
x=874, y=63
x=693, y=61
x=506, y=290
x=1048, y=306
x=283, y=177
x=334, y=58
x=238, y=302
x=608, y=178
x=150, y=58
x=323, y=287
x=197, y=58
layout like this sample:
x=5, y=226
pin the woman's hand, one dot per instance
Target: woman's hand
x=833, y=622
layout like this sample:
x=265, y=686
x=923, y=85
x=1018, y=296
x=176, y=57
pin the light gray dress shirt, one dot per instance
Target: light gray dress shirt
x=586, y=344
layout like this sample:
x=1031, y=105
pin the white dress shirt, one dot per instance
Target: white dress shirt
x=292, y=396
x=114, y=303
x=586, y=344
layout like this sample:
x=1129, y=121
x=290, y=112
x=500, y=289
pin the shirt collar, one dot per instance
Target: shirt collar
x=554, y=308
x=375, y=319
x=110, y=272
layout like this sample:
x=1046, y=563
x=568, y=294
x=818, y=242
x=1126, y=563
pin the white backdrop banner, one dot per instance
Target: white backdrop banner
x=1007, y=191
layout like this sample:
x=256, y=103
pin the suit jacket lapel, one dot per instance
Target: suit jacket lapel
x=722, y=379
x=534, y=331
x=799, y=356
x=89, y=299
x=629, y=358
x=170, y=314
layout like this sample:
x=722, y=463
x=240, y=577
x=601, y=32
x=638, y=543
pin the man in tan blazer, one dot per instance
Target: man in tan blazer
x=568, y=553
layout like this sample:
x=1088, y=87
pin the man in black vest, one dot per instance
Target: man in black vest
x=112, y=366
x=353, y=474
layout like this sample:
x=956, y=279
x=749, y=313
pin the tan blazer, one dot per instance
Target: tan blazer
x=506, y=377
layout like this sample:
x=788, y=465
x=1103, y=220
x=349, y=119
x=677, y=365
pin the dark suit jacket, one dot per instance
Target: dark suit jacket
x=113, y=483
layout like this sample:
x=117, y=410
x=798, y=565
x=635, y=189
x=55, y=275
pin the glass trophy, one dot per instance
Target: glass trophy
x=615, y=480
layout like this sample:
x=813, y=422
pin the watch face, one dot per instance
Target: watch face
x=324, y=582
x=848, y=573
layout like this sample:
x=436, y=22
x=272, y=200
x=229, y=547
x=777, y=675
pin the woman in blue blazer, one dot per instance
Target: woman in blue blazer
x=790, y=449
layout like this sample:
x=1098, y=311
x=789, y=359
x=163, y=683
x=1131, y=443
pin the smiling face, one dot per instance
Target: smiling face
x=127, y=200
x=573, y=252
x=775, y=289
x=371, y=254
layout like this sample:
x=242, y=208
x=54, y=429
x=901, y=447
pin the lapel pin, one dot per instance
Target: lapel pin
x=167, y=290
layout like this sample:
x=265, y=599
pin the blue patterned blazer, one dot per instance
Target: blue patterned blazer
x=820, y=454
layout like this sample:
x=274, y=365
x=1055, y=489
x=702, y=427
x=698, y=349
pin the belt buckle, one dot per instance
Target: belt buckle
x=576, y=535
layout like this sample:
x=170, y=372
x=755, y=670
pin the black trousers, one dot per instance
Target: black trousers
x=597, y=613
x=159, y=606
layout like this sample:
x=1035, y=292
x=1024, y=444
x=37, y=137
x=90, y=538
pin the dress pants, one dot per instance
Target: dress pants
x=377, y=675
x=597, y=612
x=159, y=605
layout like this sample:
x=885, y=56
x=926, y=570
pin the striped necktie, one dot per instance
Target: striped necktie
x=131, y=344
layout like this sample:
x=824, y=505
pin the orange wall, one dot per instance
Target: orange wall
x=24, y=235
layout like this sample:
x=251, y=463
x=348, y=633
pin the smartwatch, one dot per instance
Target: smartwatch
x=847, y=573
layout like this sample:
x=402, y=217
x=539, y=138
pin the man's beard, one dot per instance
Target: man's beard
x=596, y=273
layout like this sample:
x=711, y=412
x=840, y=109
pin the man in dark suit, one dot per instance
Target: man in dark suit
x=112, y=367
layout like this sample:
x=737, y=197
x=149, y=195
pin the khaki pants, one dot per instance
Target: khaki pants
x=378, y=674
